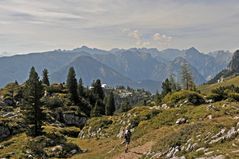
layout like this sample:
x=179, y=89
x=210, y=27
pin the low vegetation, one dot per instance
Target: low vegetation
x=89, y=123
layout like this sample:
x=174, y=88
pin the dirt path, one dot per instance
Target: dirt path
x=135, y=152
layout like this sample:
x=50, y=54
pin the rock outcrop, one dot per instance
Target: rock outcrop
x=72, y=119
x=234, y=64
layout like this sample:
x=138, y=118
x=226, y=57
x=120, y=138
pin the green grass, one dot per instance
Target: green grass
x=207, y=88
x=158, y=127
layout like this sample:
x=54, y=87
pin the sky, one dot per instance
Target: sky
x=41, y=25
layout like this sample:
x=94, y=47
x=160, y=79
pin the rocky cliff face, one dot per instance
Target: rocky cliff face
x=232, y=69
x=234, y=64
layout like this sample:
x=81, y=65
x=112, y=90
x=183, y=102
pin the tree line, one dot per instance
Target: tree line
x=33, y=92
x=171, y=85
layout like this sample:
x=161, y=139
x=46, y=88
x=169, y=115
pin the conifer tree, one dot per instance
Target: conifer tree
x=158, y=98
x=173, y=83
x=166, y=87
x=187, y=79
x=81, y=88
x=110, y=105
x=71, y=84
x=98, y=90
x=125, y=107
x=33, y=92
x=97, y=109
x=45, y=79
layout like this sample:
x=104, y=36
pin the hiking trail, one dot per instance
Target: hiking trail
x=135, y=152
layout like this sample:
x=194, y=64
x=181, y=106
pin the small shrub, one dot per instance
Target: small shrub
x=54, y=102
x=219, y=94
x=55, y=88
x=233, y=96
x=190, y=96
x=195, y=98
x=214, y=97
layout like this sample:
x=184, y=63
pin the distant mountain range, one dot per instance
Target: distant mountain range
x=231, y=70
x=136, y=67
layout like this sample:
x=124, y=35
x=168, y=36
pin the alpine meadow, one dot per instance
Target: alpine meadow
x=119, y=79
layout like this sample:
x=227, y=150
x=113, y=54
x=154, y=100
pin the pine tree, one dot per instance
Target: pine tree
x=45, y=79
x=71, y=84
x=157, y=98
x=98, y=90
x=166, y=87
x=81, y=88
x=97, y=109
x=33, y=92
x=187, y=79
x=125, y=107
x=110, y=105
x=173, y=83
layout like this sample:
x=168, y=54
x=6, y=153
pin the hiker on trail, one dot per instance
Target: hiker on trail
x=127, y=137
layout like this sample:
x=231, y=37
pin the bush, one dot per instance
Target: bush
x=195, y=99
x=222, y=93
x=55, y=88
x=54, y=102
x=233, y=96
x=190, y=96
x=215, y=97
x=219, y=94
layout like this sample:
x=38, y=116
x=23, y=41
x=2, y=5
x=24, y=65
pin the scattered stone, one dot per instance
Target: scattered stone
x=212, y=107
x=189, y=148
x=165, y=106
x=200, y=149
x=195, y=145
x=172, y=152
x=236, y=151
x=232, y=133
x=224, y=105
x=155, y=107
x=209, y=153
x=74, y=151
x=182, y=157
x=218, y=134
x=157, y=155
x=181, y=121
x=209, y=117
x=9, y=115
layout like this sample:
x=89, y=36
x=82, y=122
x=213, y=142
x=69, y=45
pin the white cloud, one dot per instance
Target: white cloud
x=69, y=23
x=136, y=36
x=162, y=38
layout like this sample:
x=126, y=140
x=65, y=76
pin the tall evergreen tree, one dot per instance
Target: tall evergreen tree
x=45, y=78
x=33, y=92
x=166, y=87
x=157, y=98
x=98, y=90
x=173, y=83
x=110, y=104
x=187, y=79
x=125, y=106
x=71, y=84
x=97, y=109
x=81, y=88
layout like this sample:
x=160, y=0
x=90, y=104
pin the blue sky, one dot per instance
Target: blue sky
x=33, y=25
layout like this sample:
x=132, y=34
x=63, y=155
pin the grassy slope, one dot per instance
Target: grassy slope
x=161, y=129
x=207, y=88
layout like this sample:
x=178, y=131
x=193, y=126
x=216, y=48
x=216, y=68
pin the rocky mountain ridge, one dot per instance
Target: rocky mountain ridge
x=144, y=68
